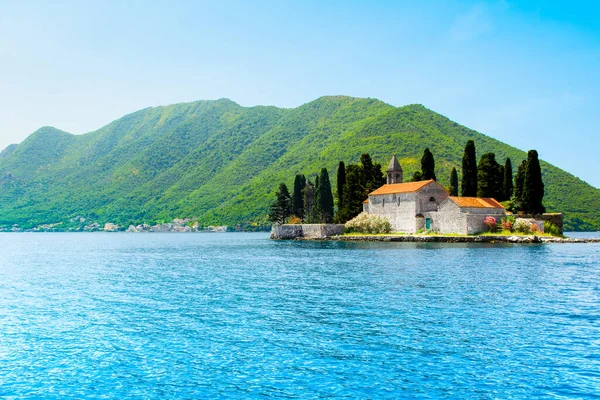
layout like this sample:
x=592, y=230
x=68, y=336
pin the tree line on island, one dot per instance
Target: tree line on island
x=314, y=202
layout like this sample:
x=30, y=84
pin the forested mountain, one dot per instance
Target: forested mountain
x=221, y=163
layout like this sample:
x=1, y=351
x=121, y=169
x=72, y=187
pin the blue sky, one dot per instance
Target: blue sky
x=524, y=72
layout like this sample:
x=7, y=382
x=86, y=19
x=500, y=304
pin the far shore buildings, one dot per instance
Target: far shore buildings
x=426, y=205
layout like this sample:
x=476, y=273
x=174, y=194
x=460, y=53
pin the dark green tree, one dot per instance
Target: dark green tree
x=281, y=209
x=354, y=194
x=468, y=185
x=533, y=185
x=508, y=180
x=316, y=210
x=361, y=179
x=519, y=181
x=309, y=202
x=427, y=166
x=453, y=183
x=373, y=176
x=341, y=181
x=325, y=197
x=298, y=196
x=489, y=177
x=417, y=177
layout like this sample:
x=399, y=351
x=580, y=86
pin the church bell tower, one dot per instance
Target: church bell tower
x=394, y=171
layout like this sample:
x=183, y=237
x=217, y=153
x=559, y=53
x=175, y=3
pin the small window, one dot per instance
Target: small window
x=432, y=199
x=383, y=202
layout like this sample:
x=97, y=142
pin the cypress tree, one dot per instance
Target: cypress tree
x=298, y=196
x=325, y=197
x=281, y=209
x=519, y=181
x=501, y=189
x=373, y=177
x=427, y=166
x=489, y=177
x=309, y=202
x=354, y=194
x=533, y=185
x=453, y=183
x=341, y=181
x=508, y=180
x=468, y=186
x=316, y=210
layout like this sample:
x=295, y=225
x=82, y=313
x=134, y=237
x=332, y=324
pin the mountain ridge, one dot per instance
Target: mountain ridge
x=220, y=162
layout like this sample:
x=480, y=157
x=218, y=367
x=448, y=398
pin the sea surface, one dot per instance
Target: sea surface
x=236, y=316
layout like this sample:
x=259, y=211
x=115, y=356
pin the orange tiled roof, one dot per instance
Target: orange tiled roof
x=476, y=202
x=366, y=201
x=407, y=187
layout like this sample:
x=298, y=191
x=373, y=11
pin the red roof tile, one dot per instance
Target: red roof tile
x=476, y=202
x=407, y=187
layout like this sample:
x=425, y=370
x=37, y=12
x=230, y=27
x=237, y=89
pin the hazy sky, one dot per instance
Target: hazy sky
x=524, y=72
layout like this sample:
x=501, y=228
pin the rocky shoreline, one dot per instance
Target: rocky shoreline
x=458, y=239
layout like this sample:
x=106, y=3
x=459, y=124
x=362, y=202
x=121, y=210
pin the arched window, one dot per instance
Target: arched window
x=432, y=199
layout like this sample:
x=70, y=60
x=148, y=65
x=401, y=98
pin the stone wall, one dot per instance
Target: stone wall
x=308, y=231
x=425, y=195
x=555, y=218
x=402, y=208
x=451, y=220
x=398, y=208
x=476, y=216
x=467, y=221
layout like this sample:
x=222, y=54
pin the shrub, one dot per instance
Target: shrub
x=552, y=229
x=368, y=223
x=294, y=220
x=523, y=225
x=508, y=222
x=491, y=223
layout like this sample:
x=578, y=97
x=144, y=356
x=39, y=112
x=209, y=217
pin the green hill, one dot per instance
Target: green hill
x=221, y=163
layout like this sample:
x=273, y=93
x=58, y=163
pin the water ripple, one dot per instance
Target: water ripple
x=239, y=316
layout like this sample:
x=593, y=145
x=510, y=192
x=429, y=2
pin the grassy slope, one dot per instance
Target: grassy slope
x=221, y=162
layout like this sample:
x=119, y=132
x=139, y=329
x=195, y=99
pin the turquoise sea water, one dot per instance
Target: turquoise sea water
x=240, y=316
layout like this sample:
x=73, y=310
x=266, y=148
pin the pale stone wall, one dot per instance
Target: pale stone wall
x=476, y=216
x=320, y=231
x=402, y=208
x=398, y=208
x=419, y=223
x=467, y=221
x=310, y=231
x=555, y=218
x=450, y=219
x=424, y=196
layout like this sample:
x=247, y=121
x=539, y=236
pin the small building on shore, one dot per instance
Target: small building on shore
x=426, y=205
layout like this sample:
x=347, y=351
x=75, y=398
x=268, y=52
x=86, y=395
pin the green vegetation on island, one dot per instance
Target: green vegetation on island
x=218, y=162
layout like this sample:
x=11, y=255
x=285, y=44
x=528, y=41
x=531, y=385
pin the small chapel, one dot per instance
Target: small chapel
x=413, y=207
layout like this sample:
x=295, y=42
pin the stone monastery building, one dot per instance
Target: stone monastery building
x=426, y=205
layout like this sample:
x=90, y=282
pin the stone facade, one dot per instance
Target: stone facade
x=555, y=218
x=306, y=231
x=415, y=206
x=408, y=212
x=453, y=218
